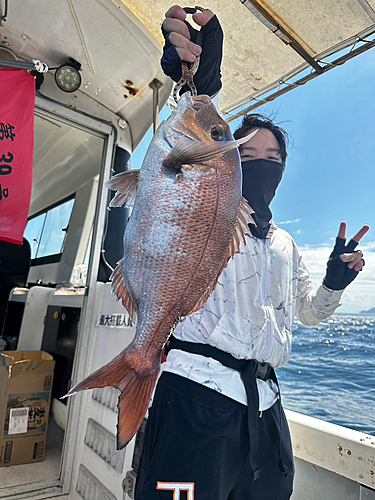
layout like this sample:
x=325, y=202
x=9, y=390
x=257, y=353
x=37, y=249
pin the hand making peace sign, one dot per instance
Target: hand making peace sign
x=344, y=263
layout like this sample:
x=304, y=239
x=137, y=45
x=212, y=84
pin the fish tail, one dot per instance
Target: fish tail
x=136, y=389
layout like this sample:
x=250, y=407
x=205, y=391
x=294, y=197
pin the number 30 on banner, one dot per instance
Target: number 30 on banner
x=6, y=169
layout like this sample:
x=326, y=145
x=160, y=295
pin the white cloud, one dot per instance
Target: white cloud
x=285, y=222
x=299, y=231
x=360, y=294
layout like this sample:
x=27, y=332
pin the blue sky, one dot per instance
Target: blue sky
x=330, y=171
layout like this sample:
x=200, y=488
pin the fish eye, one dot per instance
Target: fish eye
x=217, y=133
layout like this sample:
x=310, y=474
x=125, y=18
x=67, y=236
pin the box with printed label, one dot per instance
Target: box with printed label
x=25, y=396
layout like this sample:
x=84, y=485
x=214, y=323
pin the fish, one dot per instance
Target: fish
x=188, y=219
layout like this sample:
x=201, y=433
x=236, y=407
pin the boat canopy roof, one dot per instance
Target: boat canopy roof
x=268, y=42
x=119, y=57
x=119, y=45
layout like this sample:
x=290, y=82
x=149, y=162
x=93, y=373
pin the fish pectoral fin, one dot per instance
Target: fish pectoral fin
x=242, y=228
x=119, y=290
x=136, y=390
x=126, y=187
x=189, y=152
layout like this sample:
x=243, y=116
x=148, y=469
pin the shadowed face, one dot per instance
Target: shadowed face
x=263, y=145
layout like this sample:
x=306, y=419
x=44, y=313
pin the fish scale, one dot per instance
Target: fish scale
x=188, y=220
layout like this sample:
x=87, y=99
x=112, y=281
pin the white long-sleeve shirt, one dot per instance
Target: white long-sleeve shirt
x=250, y=315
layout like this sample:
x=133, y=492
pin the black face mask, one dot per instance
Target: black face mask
x=260, y=180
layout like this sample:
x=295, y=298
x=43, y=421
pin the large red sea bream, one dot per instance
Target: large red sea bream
x=188, y=220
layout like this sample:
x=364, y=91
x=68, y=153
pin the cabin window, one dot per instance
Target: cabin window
x=46, y=233
x=33, y=232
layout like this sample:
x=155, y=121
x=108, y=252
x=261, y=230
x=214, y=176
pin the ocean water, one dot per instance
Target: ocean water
x=331, y=372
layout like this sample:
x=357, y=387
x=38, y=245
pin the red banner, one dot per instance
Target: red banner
x=17, y=101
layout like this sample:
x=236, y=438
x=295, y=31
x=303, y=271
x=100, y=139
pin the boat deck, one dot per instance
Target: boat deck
x=46, y=471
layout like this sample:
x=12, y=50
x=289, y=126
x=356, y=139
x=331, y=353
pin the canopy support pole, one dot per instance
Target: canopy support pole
x=155, y=85
x=338, y=62
x=265, y=18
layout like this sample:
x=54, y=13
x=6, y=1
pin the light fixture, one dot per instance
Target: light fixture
x=67, y=76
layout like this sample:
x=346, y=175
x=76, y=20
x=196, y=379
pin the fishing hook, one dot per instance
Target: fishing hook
x=187, y=77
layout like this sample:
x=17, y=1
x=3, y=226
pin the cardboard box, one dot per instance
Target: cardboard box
x=25, y=396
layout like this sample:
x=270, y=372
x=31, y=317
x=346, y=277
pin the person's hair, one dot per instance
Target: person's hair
x=257, y=120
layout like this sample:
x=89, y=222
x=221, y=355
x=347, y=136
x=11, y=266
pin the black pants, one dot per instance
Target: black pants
x=197, y=443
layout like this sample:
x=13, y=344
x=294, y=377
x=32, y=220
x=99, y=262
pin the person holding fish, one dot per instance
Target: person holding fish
x=205, y=435
x=204, y=261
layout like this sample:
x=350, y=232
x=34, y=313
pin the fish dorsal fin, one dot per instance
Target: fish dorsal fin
x=242, y=228
x=187, y=152
x=201, y=302
x=126, y=187
x=120, y=292
x=244, y=218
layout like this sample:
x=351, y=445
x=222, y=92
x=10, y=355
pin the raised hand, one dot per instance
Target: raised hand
x=344, y=263
x=180, y=46
x=175, y=29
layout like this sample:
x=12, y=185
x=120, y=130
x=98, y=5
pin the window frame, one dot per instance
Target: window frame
x=53, y=258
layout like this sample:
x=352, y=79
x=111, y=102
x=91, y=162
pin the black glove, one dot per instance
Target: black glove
x=208, y=77
x=338, y=275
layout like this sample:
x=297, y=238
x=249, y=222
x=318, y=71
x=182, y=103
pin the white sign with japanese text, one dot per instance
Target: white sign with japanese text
x=114, y=320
